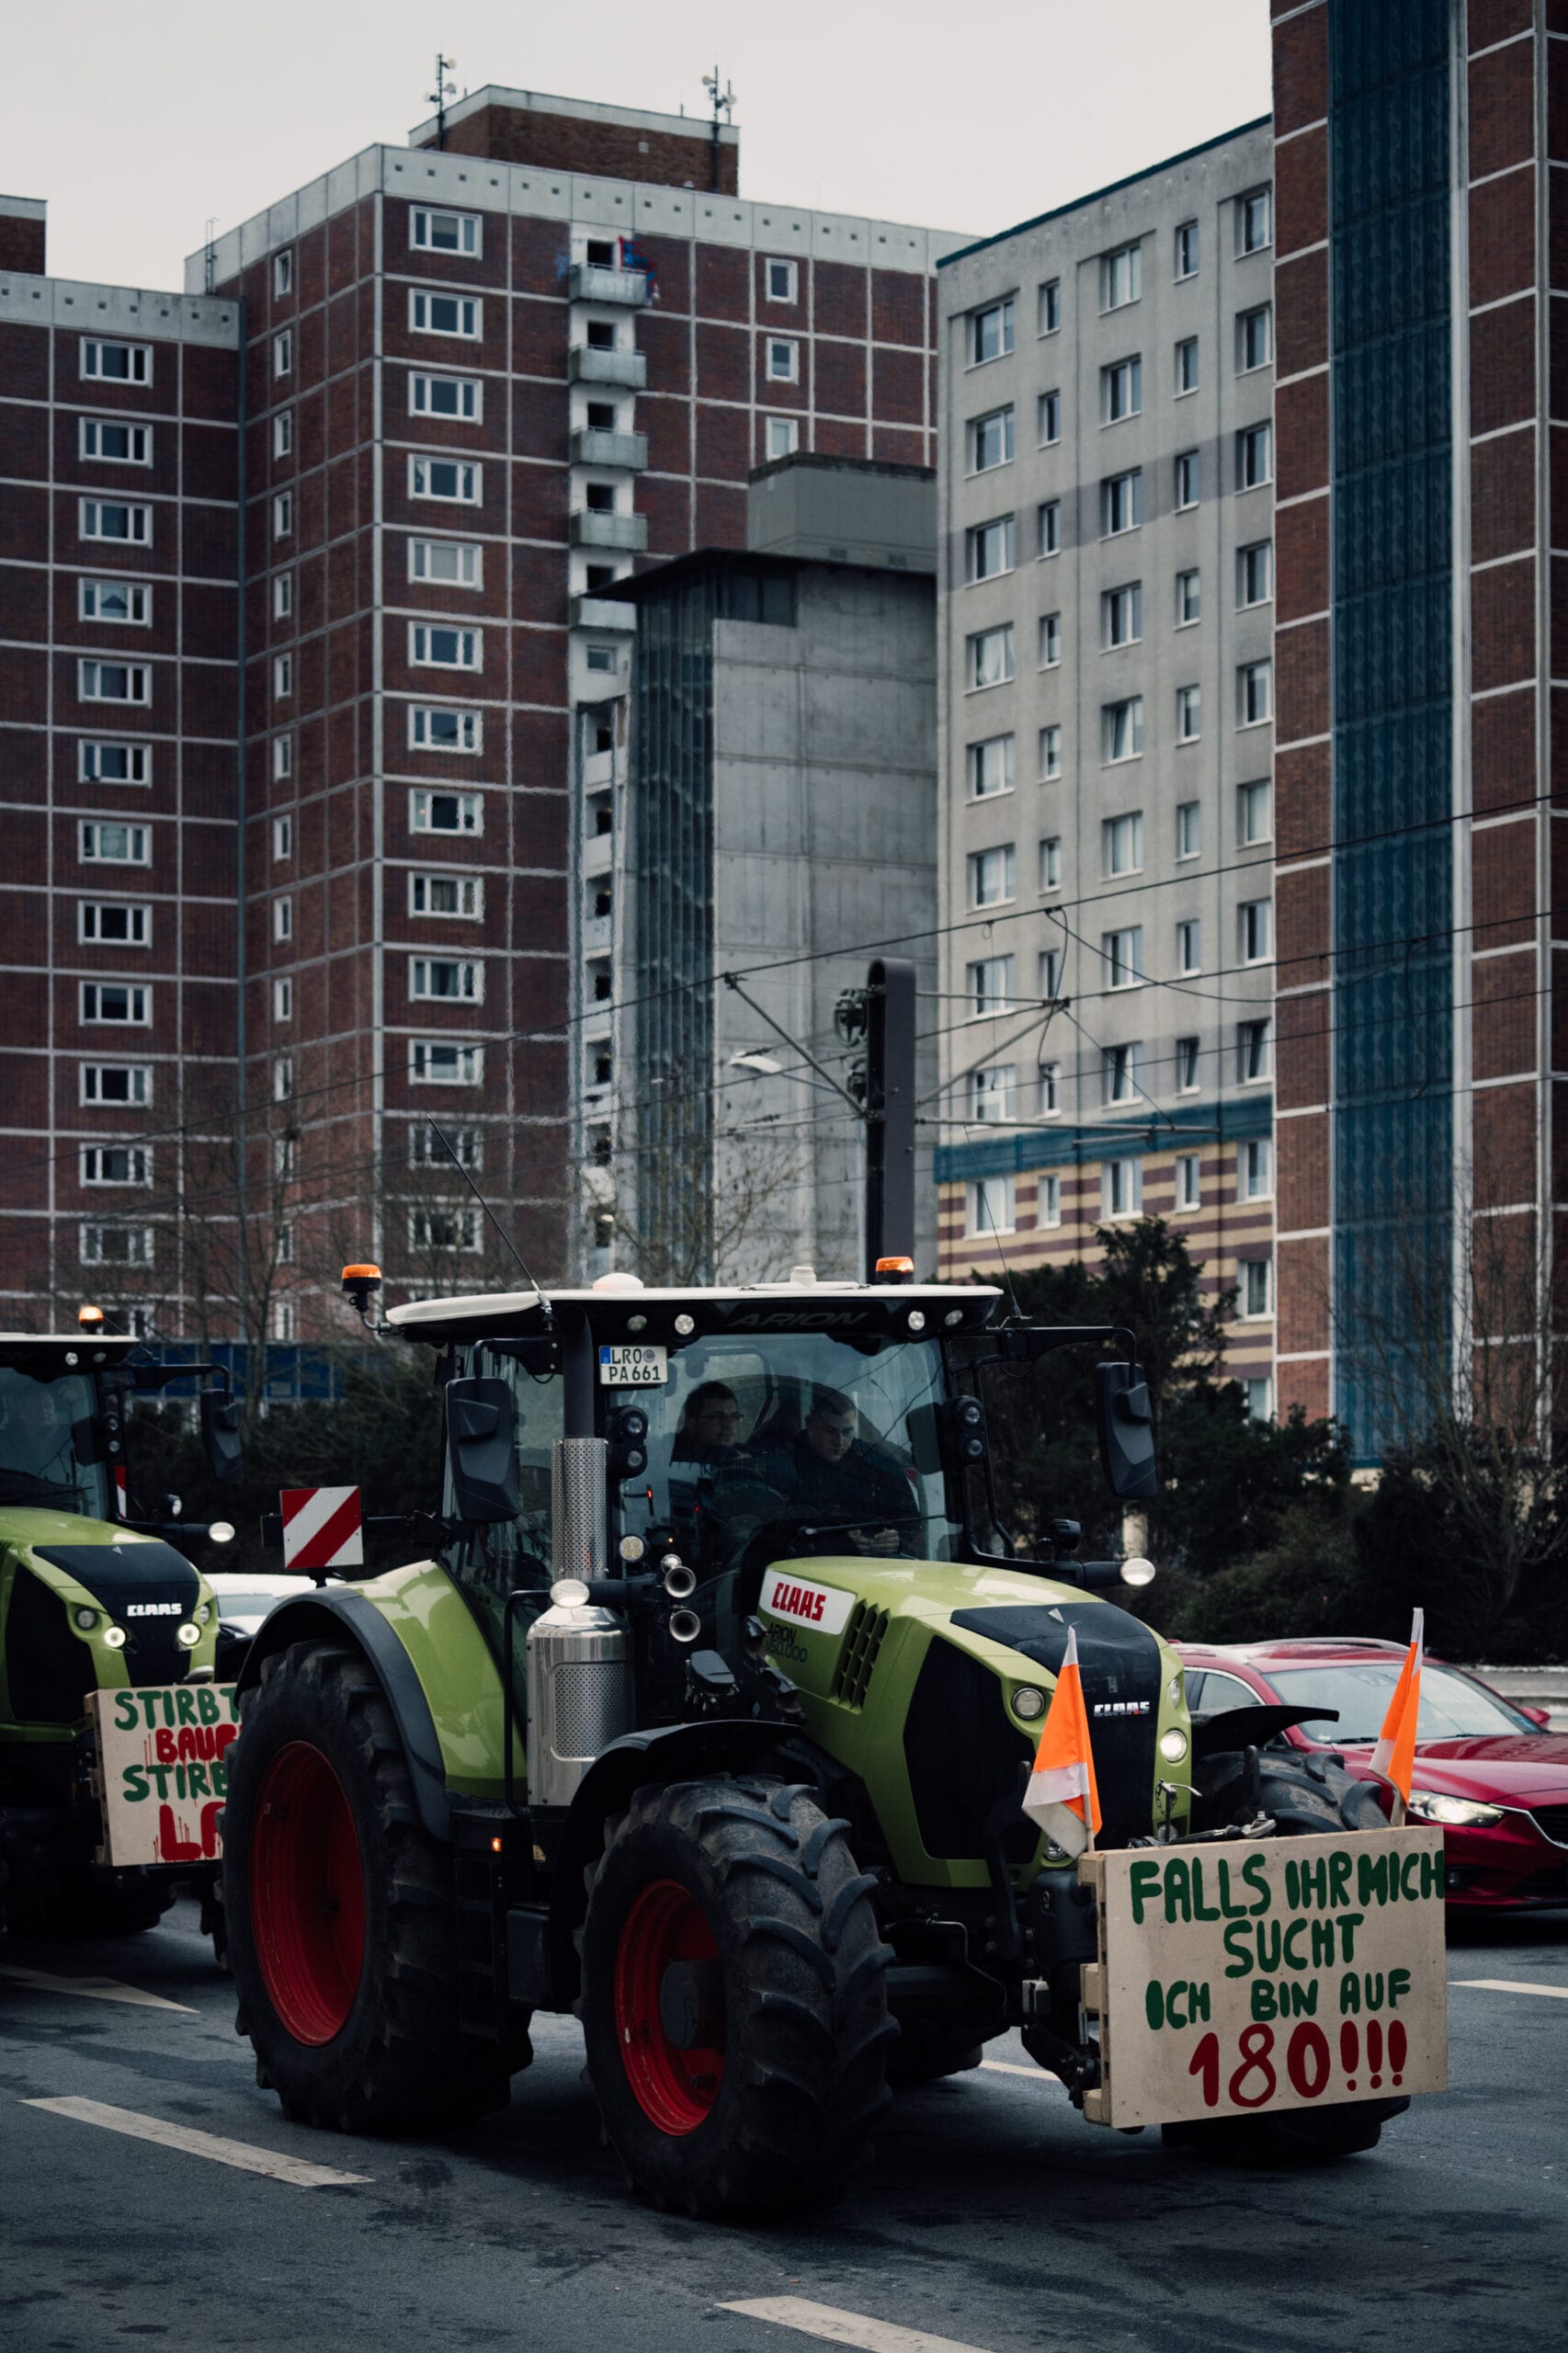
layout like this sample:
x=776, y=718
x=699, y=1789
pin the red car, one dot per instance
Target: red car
x=1491, y=1773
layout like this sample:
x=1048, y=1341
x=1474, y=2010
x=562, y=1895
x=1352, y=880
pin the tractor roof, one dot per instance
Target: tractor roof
x=621, y=1307
x=54, y=1352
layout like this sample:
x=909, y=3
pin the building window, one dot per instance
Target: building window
x=991, y=876
x=1051, y=862
x=1049, y=418
x=991, y=441
x=465, y=1145
x=1254, y=338
x=1255, y=813
x=283, y=998
x=282, y=758
x=1259, y=1393
x=1121, y=390
x=1049, y=1073
x=436, y=727
x=1048, y=307
x=990, y=656
x=455, y=314
x=122, y=1004
x=282, y=1078
x=1048, y=1201
x=128, y=1083
x=990, y=1092
x=990, y=332
x=282, y=595
x=445, y=232
x=988, y=548
x=460, y=895
x=1050, y=753
x=453, y=479
x=1254, y=693
x=782, y=436
x=1122, y=1188
x=1122, y=953
x=112, y=923
x=1254, y=457
x=1253, y=1059
x=282, y=837
x=1188, y=829
x=117, y=363
x=1186, y=365
x=1048, y=527
x=282, y=919
x=283, y=273
x=283, y=352
x=1256, y=1289
x=1257, y=1169
x=1188, y=598
x=783, y=362
x=1121, y=614
x=1255, y=930
x=283, y=433
x=102, y=844
x=783, y=283
x=116, y=1163
x=1049, y=640
x=1121, y=502
x=1186, y=249
x=113, y=681
x=602, y=657
x=446, y=813
x=1189, y=1181
x=282, y=676
x=990, y=1206
x=116, y=1245
x=445, y=1229
x=1121, y=729
x=1187, y=1066
x=445, y=979
x=1189, y=947
x=1118, y=1073
x=456, y=396
x=105, y=518
x=107, y=763
x=282, y=514
x=1121, y=277
x=443, y=648
x=991, y=767
x=436, y=1062
x=990, y=987
x=1254, y=572
x=1255, y=220
x=1185, y=480
x=456, y=564
x=114, y=443
x=1189, y=714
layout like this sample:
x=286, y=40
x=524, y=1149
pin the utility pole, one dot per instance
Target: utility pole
x=725, y=98
x=443, y=91
x=890, y=1111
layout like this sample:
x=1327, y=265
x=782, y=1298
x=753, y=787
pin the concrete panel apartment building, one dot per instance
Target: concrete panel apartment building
x=1106, y=551
x=431, y=407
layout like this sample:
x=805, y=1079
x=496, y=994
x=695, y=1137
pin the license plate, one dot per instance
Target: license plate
x=633, y=1368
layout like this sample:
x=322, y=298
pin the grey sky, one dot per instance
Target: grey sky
x=137, y=124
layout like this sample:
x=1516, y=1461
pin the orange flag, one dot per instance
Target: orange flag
x=1394, y=1756
x=1061, y=1796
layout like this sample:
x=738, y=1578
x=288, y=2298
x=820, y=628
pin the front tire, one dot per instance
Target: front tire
x=733, y=2002
x=341, y=1911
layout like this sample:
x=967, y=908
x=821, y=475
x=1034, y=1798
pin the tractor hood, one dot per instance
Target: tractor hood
x=70, y=1586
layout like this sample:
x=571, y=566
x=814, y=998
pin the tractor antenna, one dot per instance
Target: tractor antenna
x=1001, y=1252
x=473, y=1188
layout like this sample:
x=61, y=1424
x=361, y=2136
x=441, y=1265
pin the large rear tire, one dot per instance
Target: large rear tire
x=341, y=1912
x=734, y=2000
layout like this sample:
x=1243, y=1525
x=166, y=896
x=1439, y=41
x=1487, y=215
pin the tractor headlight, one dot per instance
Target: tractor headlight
x=203, y=1612
x=1137, y=1571
x=188, y=1634
x=1431, y=1805
x=86, y=1619
x=1028, y=1701
x=1174, y=1690
x=115, y=1637
x=221, y=1532
x=1173, y=1744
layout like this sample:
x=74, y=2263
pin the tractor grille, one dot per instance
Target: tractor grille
x=862, y=1640
x=1552, y=1821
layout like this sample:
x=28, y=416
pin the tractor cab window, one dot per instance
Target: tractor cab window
x=48, y=1444
x=490, y=1562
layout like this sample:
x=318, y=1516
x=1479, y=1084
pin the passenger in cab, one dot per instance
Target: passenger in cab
x=833, y=1479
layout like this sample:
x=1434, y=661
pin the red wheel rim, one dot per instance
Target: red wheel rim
x=307, y=1895
x=675, y=2088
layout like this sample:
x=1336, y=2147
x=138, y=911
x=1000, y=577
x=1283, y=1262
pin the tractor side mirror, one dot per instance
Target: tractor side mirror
x=482, y=1452
x=221, y=1433
x=1126, y=1431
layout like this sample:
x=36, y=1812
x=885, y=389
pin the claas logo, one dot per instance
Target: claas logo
x=798, y=1601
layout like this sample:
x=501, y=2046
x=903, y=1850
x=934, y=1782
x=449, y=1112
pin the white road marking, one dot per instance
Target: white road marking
x=92, y=1989
x=845, y=2328
x=239, y=2154
x=1011, y=2067
x=1512, y=1985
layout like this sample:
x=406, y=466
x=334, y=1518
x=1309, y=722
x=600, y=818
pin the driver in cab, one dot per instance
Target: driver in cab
x=835, y=1483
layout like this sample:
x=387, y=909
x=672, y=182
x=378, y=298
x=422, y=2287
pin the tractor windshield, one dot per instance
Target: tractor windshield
x=797, y=1444
x=48, y=1448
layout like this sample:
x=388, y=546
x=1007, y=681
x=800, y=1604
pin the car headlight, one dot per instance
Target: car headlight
x=1431, y=1805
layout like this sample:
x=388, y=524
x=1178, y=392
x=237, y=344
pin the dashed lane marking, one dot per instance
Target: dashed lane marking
x=845, y=2328
x=239, y=2154
x=1512, y=1985
x=1011, y=2067
x=91, y=1989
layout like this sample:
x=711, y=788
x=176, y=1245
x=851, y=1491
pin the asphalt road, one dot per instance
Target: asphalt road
x=994, y=2218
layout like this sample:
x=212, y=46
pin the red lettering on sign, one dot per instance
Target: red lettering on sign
x=164, y=1745
x=210, y=1828
x=172, y=1848
x=226, y=1735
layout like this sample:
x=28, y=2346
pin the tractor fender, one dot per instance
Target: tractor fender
x=338, y=1616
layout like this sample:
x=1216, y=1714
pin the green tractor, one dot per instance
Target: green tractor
x=99, y=1611
x=708, y=1722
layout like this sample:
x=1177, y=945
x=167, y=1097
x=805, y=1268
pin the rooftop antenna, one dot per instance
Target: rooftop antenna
x=461, y=1169
x=443, y=91
x=725, y=100
x=210, y=269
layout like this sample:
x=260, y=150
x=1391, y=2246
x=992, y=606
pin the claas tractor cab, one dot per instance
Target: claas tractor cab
x=710, y=1718
x=108, y=1641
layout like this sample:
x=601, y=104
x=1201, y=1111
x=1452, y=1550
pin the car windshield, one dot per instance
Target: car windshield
x=47, y=1443
x=245, y=1605
x=1451, y=1705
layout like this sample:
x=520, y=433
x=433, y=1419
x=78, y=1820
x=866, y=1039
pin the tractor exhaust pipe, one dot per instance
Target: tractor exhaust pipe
x=579, y=1661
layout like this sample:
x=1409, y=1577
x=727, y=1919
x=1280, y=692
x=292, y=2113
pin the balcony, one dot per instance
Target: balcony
x=606, y=614
x=595, y=939
x=591, y=447
x=586, y=365
x=598, y=854
x=626, y=534
x=591, y=282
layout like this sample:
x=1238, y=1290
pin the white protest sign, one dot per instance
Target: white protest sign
x=163, y=1771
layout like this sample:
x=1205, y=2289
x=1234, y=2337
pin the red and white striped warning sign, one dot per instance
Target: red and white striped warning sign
x=322, y=1528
